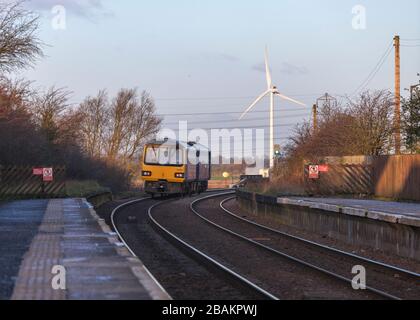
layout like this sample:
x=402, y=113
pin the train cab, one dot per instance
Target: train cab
x=175, y=167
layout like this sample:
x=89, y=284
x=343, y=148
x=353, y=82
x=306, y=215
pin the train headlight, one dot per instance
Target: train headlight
x=179, y=175
x=146, y=173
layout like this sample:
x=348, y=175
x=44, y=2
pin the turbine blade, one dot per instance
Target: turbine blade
x=254, y=103
x=267, y=70
x=290, y=99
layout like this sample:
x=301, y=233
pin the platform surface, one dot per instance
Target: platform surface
x=391, y=207
x=37, y=235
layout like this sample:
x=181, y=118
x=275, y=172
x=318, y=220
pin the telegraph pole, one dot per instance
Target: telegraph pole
x=397, y=114
x=315, y=117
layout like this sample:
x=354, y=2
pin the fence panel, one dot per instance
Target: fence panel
x=341, y=179
x=397, y=177
x=19, y=182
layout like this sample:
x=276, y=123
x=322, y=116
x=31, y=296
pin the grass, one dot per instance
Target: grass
x=76, y=188
x=277, y=188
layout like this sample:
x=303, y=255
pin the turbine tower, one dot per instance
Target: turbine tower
x=272, y=91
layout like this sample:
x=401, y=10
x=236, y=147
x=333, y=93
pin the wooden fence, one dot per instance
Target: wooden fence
x=397, y=177
x=19, y=182
x=394, y=177
x=341, y=179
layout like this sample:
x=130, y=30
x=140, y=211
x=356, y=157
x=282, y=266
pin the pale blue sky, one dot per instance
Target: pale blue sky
x=212, y=49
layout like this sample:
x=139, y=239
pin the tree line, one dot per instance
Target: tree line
x=100, y=139
x=360, y=126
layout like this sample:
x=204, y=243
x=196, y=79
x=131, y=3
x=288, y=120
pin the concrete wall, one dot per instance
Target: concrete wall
x=390, y=237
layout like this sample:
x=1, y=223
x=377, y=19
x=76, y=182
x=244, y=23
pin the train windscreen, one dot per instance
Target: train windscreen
x=163, y=156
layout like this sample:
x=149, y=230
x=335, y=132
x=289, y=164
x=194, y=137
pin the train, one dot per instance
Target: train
x=175, y=167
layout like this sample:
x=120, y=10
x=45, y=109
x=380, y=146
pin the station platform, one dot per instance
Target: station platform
x=398, y=208
x=407, y=213
x=40, y=240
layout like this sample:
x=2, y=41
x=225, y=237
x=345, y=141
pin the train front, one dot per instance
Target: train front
x=163, y=167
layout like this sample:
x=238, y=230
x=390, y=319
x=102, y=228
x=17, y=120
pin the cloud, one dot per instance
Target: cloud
x=229, y=57
x=291, y=69
x=259, y=67
x=286, y=68
x=81, y=8
x=218, y=56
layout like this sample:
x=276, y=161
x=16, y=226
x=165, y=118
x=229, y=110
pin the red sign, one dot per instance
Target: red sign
x=323, y=168
x=37, y=171
x=313, y=172
x=47, y=174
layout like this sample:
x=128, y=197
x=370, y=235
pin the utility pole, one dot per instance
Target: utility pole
x=315, y=117
x=397, y=114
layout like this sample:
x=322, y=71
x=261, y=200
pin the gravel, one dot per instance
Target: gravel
x=180, y=275
x=364, y=251
x=397, y=283
x=278, y=275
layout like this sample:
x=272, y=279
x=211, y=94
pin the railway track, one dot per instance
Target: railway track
x=144, y=207
x=384, y=280
x=120, y=236
x=209, y=260
x=275, y=274
x=309, y=261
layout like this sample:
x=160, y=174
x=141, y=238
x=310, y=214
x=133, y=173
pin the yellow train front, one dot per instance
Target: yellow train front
x=174, y=167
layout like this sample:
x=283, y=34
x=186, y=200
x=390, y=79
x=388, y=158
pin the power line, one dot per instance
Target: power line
x=236, y=120
x=213, y=106
x=227, y=98
x=239, y=127
x=375, y=70
x=239, y=122
x=224, y=112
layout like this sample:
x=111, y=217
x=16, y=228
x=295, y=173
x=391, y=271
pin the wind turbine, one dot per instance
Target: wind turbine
x=272, y=91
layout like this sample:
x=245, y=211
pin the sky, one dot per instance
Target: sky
x=207, y=56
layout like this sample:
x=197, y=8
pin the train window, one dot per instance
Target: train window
x=163, y=155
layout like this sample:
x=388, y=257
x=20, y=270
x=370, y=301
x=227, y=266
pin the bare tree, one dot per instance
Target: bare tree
x=143, y=125
x=373, y=126
x=19, y=45
x=94, y=117
x=411, y=123
x=302, y=133
x=121, y=112
x=19, y=140
x=363, y=127
x=131, y=122
x=48, y=109
x=69, y=129
x=14, y=95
